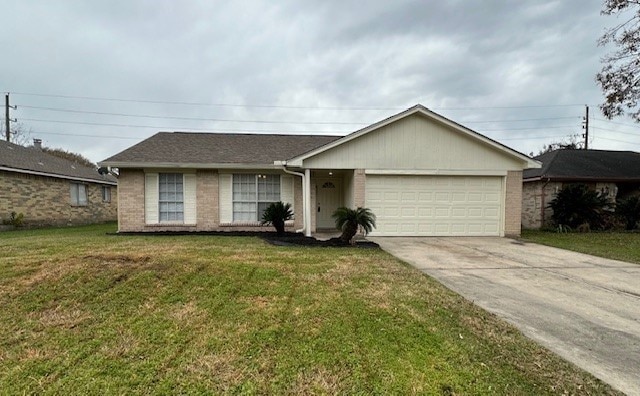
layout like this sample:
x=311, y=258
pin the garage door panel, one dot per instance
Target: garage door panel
x=435, y=205
x=492, y=197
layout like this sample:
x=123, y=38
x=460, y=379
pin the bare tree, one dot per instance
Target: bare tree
x=569, y=143
x=20, y=134
x=619, y=78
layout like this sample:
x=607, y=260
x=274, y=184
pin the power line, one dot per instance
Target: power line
x=354, y=108
x=57, y=109
x=84, y=135
x=617, y=123
x=527, y=129
x=65, y=110
x=617, y=140
x=337, y=133
x=243, y=130
x=362, y=108
x=614, y=131
x=534, y=137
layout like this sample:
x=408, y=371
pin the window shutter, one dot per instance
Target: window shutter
x=151, y=198
x=286, y=189
x=190, y=198
x=225, y=199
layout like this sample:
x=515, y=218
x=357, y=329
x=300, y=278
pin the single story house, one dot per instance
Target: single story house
x=49, y=190
x=615, y=174
x=419, y=172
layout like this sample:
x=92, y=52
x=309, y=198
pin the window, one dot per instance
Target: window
x=171, y=198
x=78, y=194
x=106, y=194
x=252, y=194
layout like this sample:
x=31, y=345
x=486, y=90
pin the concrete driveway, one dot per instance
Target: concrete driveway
x=584, y=308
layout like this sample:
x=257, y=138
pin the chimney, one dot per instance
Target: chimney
x=37, y=144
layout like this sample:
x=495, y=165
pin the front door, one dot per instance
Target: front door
x=329, y=198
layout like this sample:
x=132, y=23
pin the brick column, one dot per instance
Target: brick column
x=513, y=204
x=131, y=200
x=359, y=180
x=207, y=200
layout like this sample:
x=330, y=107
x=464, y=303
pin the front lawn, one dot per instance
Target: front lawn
x=623, y=246
x=87, y=313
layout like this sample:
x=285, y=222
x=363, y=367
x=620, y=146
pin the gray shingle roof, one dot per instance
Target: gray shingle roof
x=218, y=148
x=587, y=165
x=31, y=159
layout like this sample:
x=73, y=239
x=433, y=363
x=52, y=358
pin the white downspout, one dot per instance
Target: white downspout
x=307, y=205
x=304, y=198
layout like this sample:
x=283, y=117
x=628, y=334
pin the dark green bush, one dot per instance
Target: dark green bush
x=15, y=219
x=348, y=220
x=276, y=214
x=575, y=205
x=628, y=211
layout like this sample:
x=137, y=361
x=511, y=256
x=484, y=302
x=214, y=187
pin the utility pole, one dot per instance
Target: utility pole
x=8, y=120
x=585, y=126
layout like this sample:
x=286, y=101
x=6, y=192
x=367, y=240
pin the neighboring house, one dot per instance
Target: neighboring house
x=419, y=172
x=615, y=174
x=49, y=190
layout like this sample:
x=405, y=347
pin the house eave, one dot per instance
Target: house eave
x=579, y=179
x=186, y=165
x=57, y=176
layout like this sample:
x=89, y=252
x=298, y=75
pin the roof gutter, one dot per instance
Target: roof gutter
x=82, y=179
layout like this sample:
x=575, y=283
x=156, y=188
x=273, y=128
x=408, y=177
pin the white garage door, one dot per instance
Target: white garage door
x=435, y=205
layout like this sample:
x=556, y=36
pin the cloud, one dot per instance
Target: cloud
x=479, y=63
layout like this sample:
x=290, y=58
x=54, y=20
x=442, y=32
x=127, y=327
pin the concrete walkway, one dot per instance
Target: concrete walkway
x=584, y=308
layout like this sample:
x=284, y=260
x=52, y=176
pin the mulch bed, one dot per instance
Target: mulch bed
x=287, y=239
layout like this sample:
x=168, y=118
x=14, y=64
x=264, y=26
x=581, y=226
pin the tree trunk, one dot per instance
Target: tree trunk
x=348, y=232
x=279, y=226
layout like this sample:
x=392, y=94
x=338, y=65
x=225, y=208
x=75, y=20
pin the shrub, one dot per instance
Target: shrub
x=15, y=219
x=276, y=214
x=348, y=220
x=628, y=211
x=576, y=205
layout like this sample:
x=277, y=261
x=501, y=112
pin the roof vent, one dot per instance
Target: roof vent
x=37, y=144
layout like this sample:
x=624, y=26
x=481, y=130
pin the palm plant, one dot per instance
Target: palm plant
x=276, y=214
x=629, y=211
x=576, y=205
x=348, y=220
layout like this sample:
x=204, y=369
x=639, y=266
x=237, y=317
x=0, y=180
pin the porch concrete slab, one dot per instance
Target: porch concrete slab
x=584, y=308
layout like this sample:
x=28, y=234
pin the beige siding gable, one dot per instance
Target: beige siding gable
x=415, y=142
x=151, y=198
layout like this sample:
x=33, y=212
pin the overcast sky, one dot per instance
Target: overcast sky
x=519, y=72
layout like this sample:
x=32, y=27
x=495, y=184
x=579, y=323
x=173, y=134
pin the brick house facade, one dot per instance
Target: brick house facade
x=614, y=174
x=51, y=191
x=420, y=173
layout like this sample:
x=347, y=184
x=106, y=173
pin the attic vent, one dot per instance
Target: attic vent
x=328, y=185
x=40, y=163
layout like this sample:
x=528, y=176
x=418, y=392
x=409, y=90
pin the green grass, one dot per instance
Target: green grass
x=623, y=246
x=88, y=313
